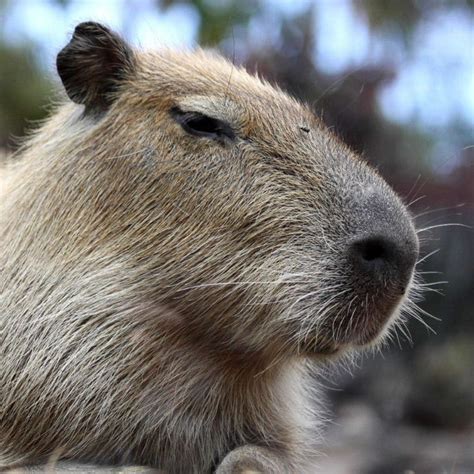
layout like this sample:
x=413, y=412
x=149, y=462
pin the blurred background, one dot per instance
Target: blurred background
x=395, y=80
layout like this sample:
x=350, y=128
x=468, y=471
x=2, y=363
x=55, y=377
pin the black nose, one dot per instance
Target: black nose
x=384, y=260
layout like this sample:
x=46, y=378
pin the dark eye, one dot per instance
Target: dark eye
x=202, y=125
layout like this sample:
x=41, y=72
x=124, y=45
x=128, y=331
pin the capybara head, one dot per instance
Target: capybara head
x=220, y=198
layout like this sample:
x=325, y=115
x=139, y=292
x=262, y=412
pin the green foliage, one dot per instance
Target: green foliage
x=400, y=17
x=392, y=15
x=24, y=91
x=219, y=18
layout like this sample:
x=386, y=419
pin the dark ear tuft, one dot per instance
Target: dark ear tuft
x=93, y=64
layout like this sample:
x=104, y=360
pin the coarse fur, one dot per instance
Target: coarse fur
x=164, y=296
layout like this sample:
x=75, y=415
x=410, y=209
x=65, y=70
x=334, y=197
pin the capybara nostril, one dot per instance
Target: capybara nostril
x=384, y=259
x=373, y=249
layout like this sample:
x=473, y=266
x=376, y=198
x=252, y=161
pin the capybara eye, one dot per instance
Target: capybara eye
x=202, y=125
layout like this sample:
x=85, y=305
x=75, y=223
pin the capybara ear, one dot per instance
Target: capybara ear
x=93, y=64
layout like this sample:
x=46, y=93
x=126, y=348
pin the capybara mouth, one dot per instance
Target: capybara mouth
x=361, y=321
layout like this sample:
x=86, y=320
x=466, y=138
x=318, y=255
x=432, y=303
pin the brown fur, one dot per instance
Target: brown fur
x=162, y=293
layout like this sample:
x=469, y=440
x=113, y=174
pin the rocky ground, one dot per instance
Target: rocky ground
x=360, y=442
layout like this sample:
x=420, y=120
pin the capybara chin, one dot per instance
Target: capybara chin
x=179, y=243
